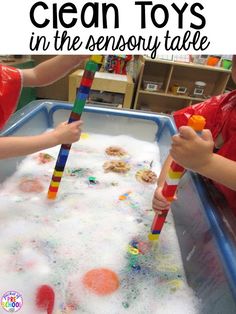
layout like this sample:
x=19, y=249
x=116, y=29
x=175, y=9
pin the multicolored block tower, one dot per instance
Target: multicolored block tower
x=174, y=175
x=90, y=68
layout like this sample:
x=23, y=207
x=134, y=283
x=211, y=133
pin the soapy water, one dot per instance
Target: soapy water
x=98, y=221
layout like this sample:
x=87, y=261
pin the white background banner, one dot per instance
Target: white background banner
x=117, y=27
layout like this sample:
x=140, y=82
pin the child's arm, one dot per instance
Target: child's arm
x=19, y=146
x=221, y=170
x=196, y=153
x=159, y=201
x=51, y=70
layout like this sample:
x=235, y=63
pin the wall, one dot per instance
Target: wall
x=58, y=90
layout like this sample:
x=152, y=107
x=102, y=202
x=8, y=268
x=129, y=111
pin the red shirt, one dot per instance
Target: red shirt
x=220, y=114
x=10, y=88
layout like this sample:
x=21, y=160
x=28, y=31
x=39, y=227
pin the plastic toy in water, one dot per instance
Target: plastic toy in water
x=77, y=172
x=139, y=266
x=44, y=158
x=118, y=166
x=45, y=298
x=138, y=253
x=92, y=181
x=146, y=176
x=133, y=254
x=144, y=247
x=170, y=186
x=101, y=281
x=124, y=196
x=28, y=185
x=115, y=151
x=90, y=68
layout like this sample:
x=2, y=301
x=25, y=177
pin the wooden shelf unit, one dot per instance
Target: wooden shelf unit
x=104, y=82
x=183, y=74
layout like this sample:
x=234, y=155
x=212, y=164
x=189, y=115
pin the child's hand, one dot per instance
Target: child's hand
x=191, y=150
x=67, y=133
x=159, y=202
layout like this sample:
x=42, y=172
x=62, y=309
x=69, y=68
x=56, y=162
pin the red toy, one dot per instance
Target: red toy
x=10, y=88
x=45, y=298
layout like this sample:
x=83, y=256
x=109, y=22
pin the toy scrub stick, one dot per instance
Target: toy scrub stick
x=87, y=79
x=174, y=175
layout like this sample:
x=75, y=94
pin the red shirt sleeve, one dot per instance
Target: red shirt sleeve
x=220, y=115
x=211, y=110
x=10, y=88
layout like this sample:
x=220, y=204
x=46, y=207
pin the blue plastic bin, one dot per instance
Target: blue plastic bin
x=206, y=228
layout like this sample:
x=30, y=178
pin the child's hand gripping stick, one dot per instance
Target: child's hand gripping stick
x=174, y=175
x=87, y=79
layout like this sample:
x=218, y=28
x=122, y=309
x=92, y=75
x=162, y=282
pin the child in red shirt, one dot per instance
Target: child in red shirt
x=197, y=152
x=11, y=82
